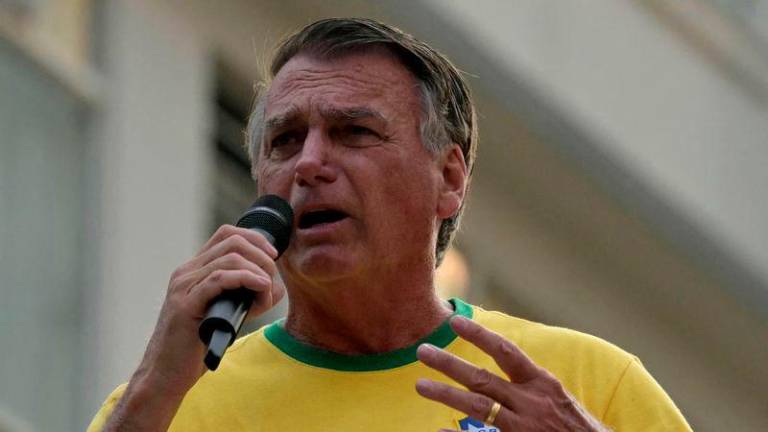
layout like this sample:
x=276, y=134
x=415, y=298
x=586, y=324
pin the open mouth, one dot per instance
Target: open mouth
x=318, y=217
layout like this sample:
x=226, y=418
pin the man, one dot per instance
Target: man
x=370, y=135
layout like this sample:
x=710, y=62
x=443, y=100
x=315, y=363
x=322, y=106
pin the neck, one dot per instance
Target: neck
x=364, y=319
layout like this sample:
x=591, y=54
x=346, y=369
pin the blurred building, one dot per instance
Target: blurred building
x=620, y=187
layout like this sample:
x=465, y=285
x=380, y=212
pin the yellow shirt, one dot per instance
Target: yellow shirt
x=268, y=381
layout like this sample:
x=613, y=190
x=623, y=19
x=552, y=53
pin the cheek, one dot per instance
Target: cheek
x=411, y=196
x=274, y=179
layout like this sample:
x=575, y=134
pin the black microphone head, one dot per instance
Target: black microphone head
x=271, y=214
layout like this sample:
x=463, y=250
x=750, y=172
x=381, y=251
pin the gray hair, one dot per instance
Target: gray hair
x=448, y=113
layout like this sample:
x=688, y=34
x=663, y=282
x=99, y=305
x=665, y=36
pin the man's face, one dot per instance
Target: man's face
x=342, y=145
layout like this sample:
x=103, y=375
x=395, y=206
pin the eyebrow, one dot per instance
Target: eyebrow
x=350, y=113
x=332, y=113
x=282, y=119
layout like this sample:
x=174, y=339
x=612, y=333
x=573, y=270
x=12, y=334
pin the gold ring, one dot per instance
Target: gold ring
x=494, y=412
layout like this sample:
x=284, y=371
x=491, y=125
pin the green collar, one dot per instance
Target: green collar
x=441, y=337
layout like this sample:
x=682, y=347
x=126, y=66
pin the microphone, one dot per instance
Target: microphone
x=272, y=217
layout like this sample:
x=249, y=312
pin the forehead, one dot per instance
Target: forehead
x=373, y=78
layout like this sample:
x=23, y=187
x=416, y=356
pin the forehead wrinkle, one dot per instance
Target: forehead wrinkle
x=350, y=113
x=356, y=79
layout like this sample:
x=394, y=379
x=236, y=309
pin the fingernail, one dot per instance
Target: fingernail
x=423, y=385
x=459, y=322
x=427, y=349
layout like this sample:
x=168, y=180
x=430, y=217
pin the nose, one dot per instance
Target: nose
x=314, y=166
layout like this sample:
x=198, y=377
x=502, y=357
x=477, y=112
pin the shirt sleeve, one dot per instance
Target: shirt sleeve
x=640, y=404
x=101, y=417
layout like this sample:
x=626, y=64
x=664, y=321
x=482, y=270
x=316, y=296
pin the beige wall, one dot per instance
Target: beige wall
x=56, y=35
x=690, y=131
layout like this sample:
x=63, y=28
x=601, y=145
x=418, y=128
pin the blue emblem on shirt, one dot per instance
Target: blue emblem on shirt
x=468, y=424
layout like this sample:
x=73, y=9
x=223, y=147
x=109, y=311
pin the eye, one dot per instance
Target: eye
x=284, y=139
x=355, y=135
x=360, y=130
x=285, y=144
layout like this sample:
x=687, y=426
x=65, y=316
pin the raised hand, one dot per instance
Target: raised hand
x=173, y=361
x=528, y=399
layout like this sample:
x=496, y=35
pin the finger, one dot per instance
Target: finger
x=472, y=377
x=261, y=305
x=511, y=359
x=220, y=280
x=240, y=245
x=226, y=231
x=476, y=405
x=278, y=289
x=230, y=261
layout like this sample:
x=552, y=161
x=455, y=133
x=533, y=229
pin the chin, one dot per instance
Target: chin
x=323, y=266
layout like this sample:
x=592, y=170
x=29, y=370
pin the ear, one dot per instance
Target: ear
x=453, y=176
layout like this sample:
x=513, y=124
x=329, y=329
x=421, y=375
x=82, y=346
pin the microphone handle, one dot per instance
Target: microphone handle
x=225, y=316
